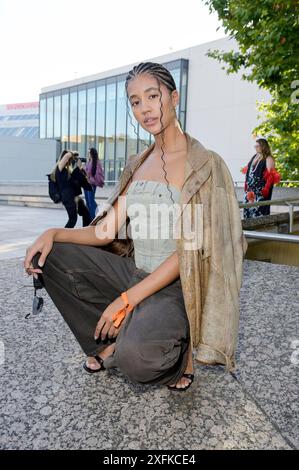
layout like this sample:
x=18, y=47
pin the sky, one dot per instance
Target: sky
x=48, y=42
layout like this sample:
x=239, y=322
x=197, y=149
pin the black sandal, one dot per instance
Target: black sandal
x=92, y=371
x=182, y=389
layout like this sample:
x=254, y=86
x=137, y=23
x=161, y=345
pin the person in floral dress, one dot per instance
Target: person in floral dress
x=261, y=175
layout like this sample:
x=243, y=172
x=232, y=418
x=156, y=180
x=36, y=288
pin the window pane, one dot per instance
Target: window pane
x=65, y=120
x=183, y=100
x=177, y=78
x=73, y=120
x=42, y=118
x=110, y=134
x=100, y=121
x=91, y=116
x=132, y=131
x=82, y=122
x=120, y=129
x=183, y=90
x=176, y=75
x=57, y=117
x=50, y=108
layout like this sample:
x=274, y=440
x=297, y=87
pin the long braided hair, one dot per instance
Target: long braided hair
x=163, y=76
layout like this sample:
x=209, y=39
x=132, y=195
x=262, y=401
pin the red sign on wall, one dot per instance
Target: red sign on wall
x=34, y=104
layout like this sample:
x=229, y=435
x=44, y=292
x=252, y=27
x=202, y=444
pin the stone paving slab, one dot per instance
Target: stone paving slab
x=48, y=402
x=268, y=364
x=20, y=226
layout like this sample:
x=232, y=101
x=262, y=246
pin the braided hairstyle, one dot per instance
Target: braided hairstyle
x=162, y=76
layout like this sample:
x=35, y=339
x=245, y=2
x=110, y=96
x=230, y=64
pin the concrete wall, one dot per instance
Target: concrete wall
x=26, y=159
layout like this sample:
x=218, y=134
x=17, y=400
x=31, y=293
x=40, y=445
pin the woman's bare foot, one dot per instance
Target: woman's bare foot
x=93, y=364
x=183, y=382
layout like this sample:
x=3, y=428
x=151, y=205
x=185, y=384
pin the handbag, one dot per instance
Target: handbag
x=53, y=190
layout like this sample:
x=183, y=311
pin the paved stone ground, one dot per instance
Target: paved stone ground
x=19, y=226
x=47, y=401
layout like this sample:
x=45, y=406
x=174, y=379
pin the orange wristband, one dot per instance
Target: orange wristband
x=121, y=313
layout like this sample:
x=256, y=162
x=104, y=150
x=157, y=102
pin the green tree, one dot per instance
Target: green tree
x=267, y=33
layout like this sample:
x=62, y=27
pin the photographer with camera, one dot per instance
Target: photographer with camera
x=70, y=178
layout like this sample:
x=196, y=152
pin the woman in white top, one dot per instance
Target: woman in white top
x=153, y=97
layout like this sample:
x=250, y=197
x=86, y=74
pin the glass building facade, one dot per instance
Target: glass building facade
x=98, y=114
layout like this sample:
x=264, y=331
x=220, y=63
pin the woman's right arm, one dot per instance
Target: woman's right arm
x=95, y=235
x=64, y=160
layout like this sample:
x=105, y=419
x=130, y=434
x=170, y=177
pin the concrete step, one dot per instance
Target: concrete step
x=42, y=201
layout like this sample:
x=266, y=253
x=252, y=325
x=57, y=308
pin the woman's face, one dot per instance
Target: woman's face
x=258, y=148
x=144, y=97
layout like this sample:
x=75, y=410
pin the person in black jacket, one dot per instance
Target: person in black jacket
x=70, y=178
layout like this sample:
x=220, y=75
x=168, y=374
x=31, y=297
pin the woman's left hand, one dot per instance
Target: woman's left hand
x=79, y=164
x=105, y=324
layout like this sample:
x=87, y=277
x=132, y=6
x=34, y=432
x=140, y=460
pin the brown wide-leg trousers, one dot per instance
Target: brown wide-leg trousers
x=152, y=344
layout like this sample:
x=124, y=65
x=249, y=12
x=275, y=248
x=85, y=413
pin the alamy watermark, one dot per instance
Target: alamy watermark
x=157, y=221
x=295, y=94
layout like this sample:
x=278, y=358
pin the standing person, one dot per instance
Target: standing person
x=69, y=177
x=95, y=175
x=155, y=300
x=261, y=176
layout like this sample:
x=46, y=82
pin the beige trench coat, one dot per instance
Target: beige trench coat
x=211, y=273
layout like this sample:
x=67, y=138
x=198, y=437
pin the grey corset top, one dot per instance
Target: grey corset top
x=149, y=208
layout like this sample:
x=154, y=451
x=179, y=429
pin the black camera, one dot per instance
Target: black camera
x=76, y=157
